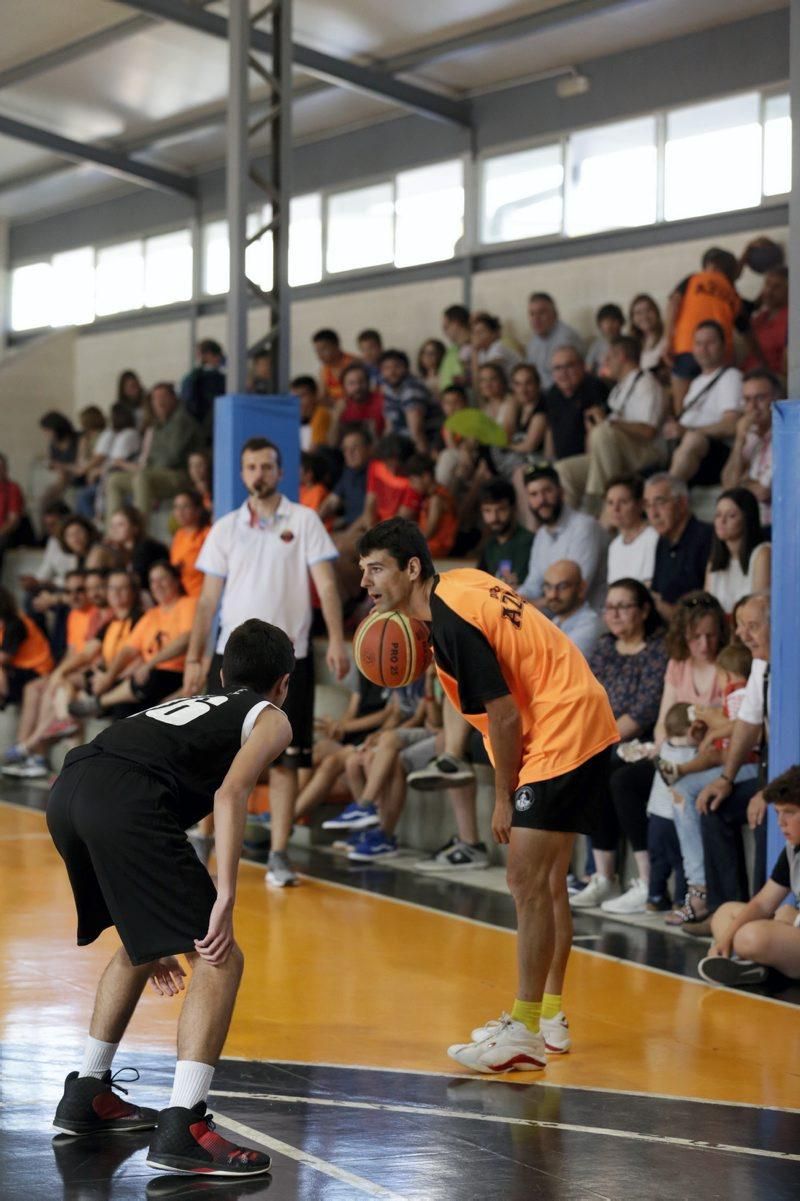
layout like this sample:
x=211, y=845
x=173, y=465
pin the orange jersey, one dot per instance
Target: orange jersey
x=184, y=549
x=489, y=642
x=160, y=626
x=82, y=626
x=330, y=376
x=442, y=539
x=33, y=653
x=708, y=296
x=115, y=636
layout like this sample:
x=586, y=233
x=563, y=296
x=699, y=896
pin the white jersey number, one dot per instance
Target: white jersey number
x=181, y=712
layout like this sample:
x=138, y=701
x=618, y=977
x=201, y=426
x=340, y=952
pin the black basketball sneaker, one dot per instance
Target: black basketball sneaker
x=90, y=1105
x=186, y=1140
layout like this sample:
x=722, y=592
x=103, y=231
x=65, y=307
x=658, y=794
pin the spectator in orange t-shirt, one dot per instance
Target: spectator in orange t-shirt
x=437, y=517
x=708, y=295
x=193, y=522
x=334, y=360
x=316, y=414
x=314, y=483
x=389, y=493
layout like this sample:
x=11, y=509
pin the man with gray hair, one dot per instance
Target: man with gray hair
x=684, y=543
x=727, y=803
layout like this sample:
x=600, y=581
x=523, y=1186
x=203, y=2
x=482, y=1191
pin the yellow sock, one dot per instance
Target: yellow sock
x=551, y=1005
x=528, y=1012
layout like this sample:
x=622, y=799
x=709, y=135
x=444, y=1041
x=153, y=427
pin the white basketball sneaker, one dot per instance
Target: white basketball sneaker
x=510, y=1046
x=554, y=1031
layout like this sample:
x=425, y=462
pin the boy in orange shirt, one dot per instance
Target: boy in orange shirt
x=194, y=522
x=437, y=518
x=547, y=726
x=708, y=295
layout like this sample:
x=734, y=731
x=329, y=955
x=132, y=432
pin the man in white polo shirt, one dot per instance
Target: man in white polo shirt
x=257, y=561
x=623, y=440
x=706, y=424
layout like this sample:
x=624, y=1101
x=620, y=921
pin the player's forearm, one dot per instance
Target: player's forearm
x=505, y=737
x=230, y=815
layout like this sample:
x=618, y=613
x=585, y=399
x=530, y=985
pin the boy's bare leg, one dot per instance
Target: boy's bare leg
x=117, y=995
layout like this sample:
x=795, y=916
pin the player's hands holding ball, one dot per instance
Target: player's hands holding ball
x=501, y=819
x=167, y=977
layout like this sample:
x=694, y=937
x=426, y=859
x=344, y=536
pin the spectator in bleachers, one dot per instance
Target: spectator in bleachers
x=260, y=380
x=12, y=512
x=455, y=366
x=609, y=320
x=62, y=450
x=506, y=552
x=361, y=402
x=199, y=388
x=131, y=549
x=494, y=397
x=622, y=435
x=562, y=533
x=437, y=515
x=740, y=560
x=706, y=418
x=316, y=415
x=750, y=462
x=389, y=493
x=155, y=649
x=568, y=400
x=333, y=361
x=55, y=564
x=131, y=394
x=429, y=362
x=629, y=661
x=684, y=543
x=531, y=430
x=632, y=553
x=451, y=461
x=565, y=598
x=116, y=447
x=370, y=349
x=160, y=471
x=769, y=325
x=80, y=537
x=92, y=423
x=486, y=337
x=24, y=651
x=193, y=521
x=408, y=406
x=347, y=499
x=549, y=333
x=708, y=295
x=314, y=477
x=646, y=324
x=200, y=476
x=97, y=591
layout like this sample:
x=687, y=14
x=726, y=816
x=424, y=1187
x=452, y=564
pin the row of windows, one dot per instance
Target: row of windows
x=709, y=158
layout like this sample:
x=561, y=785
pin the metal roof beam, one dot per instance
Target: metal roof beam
x=73, y=50
x=108, y=160
x=374, y=81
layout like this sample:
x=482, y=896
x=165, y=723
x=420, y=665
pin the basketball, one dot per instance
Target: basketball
x=392, y=649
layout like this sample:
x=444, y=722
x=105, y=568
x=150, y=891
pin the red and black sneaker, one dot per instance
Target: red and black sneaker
x=186, y=1140
x=89, y=1106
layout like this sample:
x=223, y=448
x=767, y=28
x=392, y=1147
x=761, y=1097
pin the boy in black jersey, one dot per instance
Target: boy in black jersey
x=118, y=814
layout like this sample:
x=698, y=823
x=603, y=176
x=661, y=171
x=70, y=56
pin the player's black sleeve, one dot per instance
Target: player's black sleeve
x=464, y=653
x=780, y=872
x=14, y=635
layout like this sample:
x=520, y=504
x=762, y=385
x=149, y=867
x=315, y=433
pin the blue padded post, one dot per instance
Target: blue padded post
x=237, y=418
x=784, y=746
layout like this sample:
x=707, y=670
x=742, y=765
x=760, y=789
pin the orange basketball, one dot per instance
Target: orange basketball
x=392, y=649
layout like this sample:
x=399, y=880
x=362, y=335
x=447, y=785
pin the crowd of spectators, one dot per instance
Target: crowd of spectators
x=564, y=470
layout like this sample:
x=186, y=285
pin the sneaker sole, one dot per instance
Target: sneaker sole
x=354, y=858
x=557, y=1050
x=450, y=867
x=435, y=783
x=79, y=1129
x=519, y=1063
x=357, y=824
x=731, y=975
x=189, y=1167
x=276, y=883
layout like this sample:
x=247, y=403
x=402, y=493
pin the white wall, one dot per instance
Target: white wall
x=34, y=378
x=408, y=313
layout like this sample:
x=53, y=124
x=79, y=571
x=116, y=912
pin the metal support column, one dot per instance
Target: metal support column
x=236, y=190
x=280, y=169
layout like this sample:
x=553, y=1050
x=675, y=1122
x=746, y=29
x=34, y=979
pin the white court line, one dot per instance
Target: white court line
x=498, y=1119
x=367, y=1187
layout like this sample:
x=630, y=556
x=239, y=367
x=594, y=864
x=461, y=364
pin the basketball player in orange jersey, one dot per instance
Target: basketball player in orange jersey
x=547, y=726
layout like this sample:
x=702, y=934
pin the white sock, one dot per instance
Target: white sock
x=97, y=1057
x=191, y=1084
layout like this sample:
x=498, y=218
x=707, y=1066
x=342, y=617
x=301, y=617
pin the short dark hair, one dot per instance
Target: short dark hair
x=610, y=310
x=327, y=335
x=711, y=324
x=210, y=346
x=355, y=427
x=356, y=365
x=259, y=443
x=459, y=391
x=73, y=573
x=723, y=260
x=634, y=484
x=785, y=788
x=497, y=490
x=765, y=374
x=457, y=313
x=256, y=656
x=393, y=446
x=489, y=320
x=122, y=417
x=419, y=465
x=304, y=381
x=56, y=508
x=196, y=500
x=403, y=540
x=399, y=355
x=370, y=335
x=89, y=528
x=629, y=346
x=541, y=296
x=543, y=472
x=57, y=424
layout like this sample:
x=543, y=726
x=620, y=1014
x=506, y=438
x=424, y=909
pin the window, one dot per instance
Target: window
x=258, y=256
x=216, y=263
x=522, y=195
x=119, y=278
x=305, y=240
x=361, y=228
x=777, y=146
x=168, y=268
x=429, y=209
x=713, y=158
x=612, y=177
x=30, y=296
x=72, y=284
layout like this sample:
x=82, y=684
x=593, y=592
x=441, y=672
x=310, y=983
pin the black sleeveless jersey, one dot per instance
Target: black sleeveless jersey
x=188, y=744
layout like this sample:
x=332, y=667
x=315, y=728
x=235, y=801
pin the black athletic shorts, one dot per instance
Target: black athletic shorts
x=128, y=859
x=17, y=678
x=158, y=686
x=567, y=804
x=298, y=707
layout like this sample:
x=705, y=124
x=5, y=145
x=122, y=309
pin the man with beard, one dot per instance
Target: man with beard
x=507, y=550
x=257, y=561
x=562, y=534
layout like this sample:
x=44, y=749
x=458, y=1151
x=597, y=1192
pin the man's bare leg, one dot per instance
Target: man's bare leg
x=562, y=913
x=462, y=801
x=534, y=855
x=393, y=797
x=326, y=773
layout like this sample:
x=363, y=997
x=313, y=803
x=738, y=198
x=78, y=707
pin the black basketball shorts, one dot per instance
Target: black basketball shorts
x=567, y=804
x=128, y=859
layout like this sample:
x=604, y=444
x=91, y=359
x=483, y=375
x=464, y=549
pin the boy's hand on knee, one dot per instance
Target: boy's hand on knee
x=168, y=976
x=501, y=819
x=216, y=946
